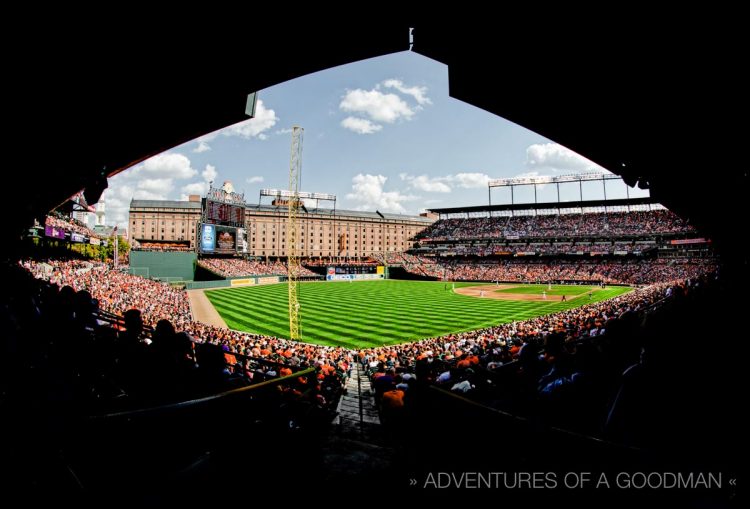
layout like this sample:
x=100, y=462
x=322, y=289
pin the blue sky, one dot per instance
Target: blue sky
x=380, y=134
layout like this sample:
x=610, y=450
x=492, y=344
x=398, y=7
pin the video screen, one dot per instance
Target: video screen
x=218, y=239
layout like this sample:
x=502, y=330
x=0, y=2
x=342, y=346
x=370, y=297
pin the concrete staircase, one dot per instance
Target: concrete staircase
x=356, y=410
x=356, y=447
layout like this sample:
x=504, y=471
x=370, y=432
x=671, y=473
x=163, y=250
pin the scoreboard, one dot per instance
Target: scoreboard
x=225, y=213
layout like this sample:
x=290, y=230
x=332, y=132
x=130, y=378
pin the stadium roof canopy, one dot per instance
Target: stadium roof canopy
x=548, y=205
x=647, y=100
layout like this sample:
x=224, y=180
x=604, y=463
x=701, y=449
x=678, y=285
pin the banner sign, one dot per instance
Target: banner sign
x=54, y=232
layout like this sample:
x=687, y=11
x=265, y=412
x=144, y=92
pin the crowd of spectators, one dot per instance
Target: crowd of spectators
x=232, y=267
x=555, y=226
x=564, y=369
x=160, y=246
x=504, y=341
x=485, y=248
x=161, y=353
x=69, y=224
x=354, y=262
x=636, y=272
x=402, y=259
x=462, y=362
x=117, y=292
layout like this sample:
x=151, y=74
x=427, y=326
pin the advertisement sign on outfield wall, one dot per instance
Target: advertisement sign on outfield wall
x=241, y=282
x=352, y=277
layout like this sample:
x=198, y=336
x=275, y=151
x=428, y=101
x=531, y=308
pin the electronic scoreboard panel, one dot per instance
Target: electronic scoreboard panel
x=225, y=213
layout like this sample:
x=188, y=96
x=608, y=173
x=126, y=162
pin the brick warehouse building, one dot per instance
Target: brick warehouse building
x=345, y=233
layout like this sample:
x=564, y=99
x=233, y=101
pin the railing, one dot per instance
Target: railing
x=447, y=432
x=308, y=372
x=191, y=445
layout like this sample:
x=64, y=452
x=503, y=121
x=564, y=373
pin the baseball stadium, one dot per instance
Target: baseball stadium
x=367, y=347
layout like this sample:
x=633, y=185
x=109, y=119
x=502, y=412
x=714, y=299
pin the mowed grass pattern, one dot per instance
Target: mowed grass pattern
x=374, y=313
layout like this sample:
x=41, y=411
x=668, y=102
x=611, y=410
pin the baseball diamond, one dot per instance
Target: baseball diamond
x=375, y=313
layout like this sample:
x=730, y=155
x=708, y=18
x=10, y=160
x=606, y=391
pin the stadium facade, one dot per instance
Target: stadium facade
x=326, y=232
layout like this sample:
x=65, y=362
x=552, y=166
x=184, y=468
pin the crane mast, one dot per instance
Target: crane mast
x=293, y=233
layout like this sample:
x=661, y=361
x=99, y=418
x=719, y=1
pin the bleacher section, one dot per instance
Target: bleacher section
x=612, y=224
x=237, y=267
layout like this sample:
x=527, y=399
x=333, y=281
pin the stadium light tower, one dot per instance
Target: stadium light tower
x=292, y=228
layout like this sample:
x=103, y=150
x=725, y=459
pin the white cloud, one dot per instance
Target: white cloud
x=265, y=119
x=556, y=158
x=432, y=202
x=427, y=184
x=203, y=142
x=195, y=188
x=418, y=93
x=378, y=106
x=443, y=184
x=166, y=165
x=528, y=174
x=368, y=193
x=470, y=180
x=209, y=174
x=360, y=125
x=256, y=127
x=532, y=174
x=117, y=198
x=154, y=179
x=254, y=180
x=160, y=186
x=202, y=147
x=283, y=131
x=143, y=194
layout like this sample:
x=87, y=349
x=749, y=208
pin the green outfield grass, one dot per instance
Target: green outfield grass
x=374, y=313
x=567, y=290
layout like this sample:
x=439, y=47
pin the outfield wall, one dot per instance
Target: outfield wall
x=202, y=285
x=233, y=281
x=158, y=264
